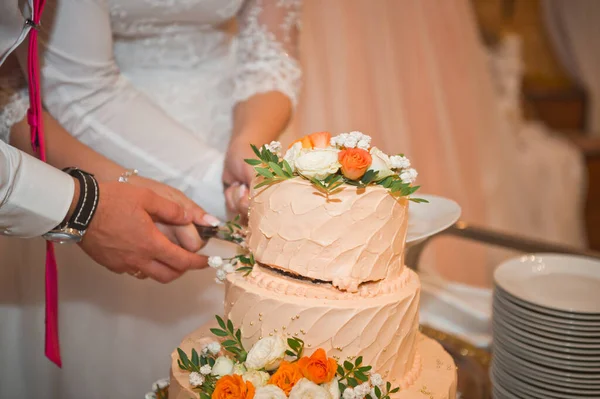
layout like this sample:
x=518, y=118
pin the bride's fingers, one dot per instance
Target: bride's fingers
x=231, y=197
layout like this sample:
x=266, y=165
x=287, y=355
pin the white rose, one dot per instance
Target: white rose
x=318, y=163
x=381, y=163
x=267, y=353
x=215, y=261
x=257, y=378
x=333, y=388
x=269, y=392
x=239, y=368
x=223, y=366
x=292, y=154
x=305, y=389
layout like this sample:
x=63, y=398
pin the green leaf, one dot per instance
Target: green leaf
x=378, y=392
x=364, y=369
x=277, y=169
x=340, y=370
x=238, y=335
x=419, y=200
x=290, y=353
x=181, y=366
x=361, y=376
x=229, y=342
x=265, y=172
x=220, y=321
x=230, y=326
x=348, y=366
x=256, y=151
x=218, y=332
x=253, y=162
x=358, y=361
x=264, y=183
x=195, y=359
x=388, y=386
x=204, y=395
x=352, y=382
x=184, y=358
x=292, y=343
x=395, y=390
x=287, y=168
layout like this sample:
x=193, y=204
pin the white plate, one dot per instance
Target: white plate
x=561, y=282
x=557, y=335
x=505, y=381
x=537, y=356
x=587, y=328
x=426, y=220
x=592, y=379
x=544, y=350
x=551, y=344
x=525, y=369
x=536, y=389
x=565, y=317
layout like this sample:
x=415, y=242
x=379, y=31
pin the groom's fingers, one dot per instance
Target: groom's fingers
x=174, y=256
x=160, y=272
x=164, y=210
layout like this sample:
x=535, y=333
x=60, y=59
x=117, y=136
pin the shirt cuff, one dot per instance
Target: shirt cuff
x=39, y=200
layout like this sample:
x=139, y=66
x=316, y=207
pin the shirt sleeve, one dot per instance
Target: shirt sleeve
x=267, y=49
x=83, y=89
x=34, y=196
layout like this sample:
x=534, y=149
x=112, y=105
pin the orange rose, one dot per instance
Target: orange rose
x=233, y=387
x=315, y=140
x=286, y=376
x=318, y=368
x=355, y=162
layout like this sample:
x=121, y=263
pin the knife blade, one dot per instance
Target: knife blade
x=208, y=232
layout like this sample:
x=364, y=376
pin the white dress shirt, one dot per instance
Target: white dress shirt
x=34, y=197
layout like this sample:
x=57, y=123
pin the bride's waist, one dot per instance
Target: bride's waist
x=175, y=52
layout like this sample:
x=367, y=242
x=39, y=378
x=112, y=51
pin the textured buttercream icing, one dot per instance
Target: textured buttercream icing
x=381, y=329
x=355, y=236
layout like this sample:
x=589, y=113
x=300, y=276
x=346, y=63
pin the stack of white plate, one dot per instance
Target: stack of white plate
x=546, y=328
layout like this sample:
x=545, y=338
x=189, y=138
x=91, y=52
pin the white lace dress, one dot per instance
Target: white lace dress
x=151, y=84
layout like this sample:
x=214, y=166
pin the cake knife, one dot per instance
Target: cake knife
x=208, y=232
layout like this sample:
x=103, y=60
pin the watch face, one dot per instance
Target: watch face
x=64, y=236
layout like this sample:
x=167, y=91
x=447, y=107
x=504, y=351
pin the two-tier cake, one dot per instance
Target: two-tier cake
x=329, y=270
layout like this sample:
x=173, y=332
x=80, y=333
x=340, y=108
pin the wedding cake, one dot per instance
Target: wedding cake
x=325, y=268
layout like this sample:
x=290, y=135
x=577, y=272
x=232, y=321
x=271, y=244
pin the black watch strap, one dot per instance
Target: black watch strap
x=87, y=204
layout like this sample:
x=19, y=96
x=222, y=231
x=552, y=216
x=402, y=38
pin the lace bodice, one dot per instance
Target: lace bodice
x=152, y=84
x=14, y=100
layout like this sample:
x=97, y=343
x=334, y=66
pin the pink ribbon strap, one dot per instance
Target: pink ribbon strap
x=34, y=117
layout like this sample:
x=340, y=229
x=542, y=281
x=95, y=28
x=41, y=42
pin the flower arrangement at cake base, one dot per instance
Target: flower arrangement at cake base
x=275, y=368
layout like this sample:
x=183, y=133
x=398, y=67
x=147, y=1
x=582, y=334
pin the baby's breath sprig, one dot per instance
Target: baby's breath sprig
x=269, y=166
x=233, y=342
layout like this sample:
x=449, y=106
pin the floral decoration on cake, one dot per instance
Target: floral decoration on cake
x=275, y=368
x=330, y=162
x=243, y=262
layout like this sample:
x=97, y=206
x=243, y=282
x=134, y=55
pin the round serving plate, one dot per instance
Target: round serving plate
x=533, y=371
x=570, y=388
x=502, y=380
x=538, y=356
x=570, y=324
x=542, y=343
x=426, y=220
x=540, y=330
x=563, y=285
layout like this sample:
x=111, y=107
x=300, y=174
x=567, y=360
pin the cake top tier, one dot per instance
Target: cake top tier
x=331, y=209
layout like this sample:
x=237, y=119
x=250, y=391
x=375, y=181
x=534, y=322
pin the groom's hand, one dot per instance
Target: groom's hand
x=124, y=238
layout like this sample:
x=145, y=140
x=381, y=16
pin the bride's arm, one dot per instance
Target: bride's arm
x=267, y=77
x=85, y=91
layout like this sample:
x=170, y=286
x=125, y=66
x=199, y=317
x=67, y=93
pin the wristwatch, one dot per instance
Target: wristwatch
x=73, y=229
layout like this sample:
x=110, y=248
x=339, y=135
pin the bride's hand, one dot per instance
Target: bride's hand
x=186, y=236
x=238, y=175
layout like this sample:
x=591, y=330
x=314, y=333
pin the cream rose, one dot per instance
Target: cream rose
x=267, y=353
x=269, y=392
x=257, y=378
x=381, y=163
x=292, y=154
x=239, y=368
x=333, y=388
x=223, y=366
x=318, y=163
x=305, y=389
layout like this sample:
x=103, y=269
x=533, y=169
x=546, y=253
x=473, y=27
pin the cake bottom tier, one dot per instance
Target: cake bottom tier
x=433, y=376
